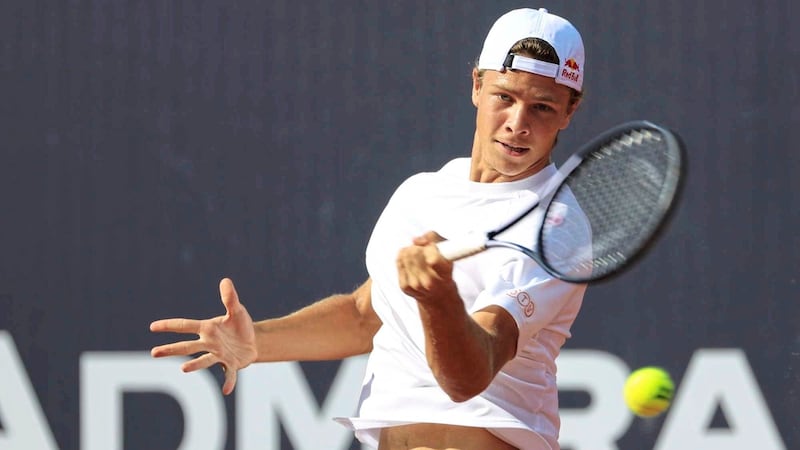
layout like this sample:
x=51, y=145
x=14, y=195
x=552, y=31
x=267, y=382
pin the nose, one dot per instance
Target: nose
x=518, y=121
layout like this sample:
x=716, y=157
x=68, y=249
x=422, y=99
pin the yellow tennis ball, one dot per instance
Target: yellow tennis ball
x=648, y=391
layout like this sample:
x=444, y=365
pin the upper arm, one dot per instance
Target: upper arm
x=532, y=298
x=503, y=333
x=370, y=322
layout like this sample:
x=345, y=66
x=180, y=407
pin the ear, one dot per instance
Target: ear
x=572, y=108
x=477, y=83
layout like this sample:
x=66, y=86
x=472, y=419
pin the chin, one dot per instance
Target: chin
x=518, y=171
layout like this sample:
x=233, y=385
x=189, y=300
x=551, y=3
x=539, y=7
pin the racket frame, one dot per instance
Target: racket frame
x=670, y=196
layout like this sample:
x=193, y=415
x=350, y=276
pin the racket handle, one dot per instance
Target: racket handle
x=462, y=247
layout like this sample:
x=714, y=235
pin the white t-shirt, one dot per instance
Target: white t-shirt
x=521, y=403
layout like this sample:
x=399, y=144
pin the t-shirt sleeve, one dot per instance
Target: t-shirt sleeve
x=533, y=297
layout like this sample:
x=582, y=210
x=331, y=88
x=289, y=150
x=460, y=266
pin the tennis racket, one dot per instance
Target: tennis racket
x=604, y=208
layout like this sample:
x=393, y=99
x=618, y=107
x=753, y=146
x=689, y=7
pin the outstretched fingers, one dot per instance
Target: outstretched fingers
x=230, y=299
x=227, y=340
x=207, y=360
x=230, y=380
x=183, y=348
x=176, y=326
x=201, y=362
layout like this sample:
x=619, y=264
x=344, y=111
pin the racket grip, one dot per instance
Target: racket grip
x=462, y=247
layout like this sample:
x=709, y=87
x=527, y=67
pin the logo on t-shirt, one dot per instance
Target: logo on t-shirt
x=524, y=299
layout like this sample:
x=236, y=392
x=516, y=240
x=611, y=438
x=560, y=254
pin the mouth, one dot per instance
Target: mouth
x=513, y=150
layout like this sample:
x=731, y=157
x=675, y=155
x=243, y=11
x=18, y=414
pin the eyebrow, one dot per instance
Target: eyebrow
x=545, y=97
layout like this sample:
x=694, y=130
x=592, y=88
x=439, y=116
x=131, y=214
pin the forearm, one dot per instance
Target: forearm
x=464, y=351
x=333, y=328
x=463, y=355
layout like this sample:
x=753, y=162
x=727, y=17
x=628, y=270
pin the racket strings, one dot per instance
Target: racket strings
x=621, y=190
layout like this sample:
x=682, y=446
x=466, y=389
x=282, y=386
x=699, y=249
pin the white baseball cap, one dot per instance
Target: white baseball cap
x=535, y=23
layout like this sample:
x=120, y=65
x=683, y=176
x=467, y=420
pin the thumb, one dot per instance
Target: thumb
x=430, y=237
x=230, y=381
x=230, y=299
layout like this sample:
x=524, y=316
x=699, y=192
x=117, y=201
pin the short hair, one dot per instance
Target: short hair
x=537, y=49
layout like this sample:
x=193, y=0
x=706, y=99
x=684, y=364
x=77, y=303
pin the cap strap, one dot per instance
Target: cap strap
x=531, y=65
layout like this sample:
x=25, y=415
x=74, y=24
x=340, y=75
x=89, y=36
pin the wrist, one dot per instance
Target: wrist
x=446, y=306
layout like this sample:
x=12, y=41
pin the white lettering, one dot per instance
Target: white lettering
x=271, y=395
x=602, y=375
x=106, y=375
x=24, y=423
x=719, y=377
x=265, y=391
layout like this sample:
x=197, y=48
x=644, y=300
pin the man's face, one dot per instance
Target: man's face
x=519, y=116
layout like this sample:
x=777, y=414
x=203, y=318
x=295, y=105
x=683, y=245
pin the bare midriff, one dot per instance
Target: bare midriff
x=432, y=436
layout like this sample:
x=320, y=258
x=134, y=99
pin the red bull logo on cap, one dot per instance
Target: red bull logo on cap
x=572, y=64
x=571, y=70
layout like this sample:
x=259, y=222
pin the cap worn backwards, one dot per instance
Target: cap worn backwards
x=535, y=23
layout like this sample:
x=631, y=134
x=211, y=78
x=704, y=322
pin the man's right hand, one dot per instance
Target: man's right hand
x=228, y=340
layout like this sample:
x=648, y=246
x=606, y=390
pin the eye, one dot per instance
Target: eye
x=504, y=97
x=543, y=107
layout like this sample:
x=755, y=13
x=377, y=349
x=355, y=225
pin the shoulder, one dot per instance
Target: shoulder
x=456, y=169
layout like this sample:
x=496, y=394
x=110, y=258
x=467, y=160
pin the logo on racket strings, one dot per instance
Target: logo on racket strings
x=556, y=214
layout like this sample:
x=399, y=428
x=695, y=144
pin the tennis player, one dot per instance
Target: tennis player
x=462, y=355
